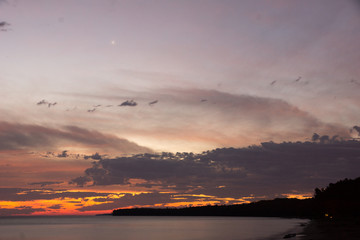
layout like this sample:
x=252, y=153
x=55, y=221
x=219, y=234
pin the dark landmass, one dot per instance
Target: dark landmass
x=281, y=207
x=104, y=214
x=334, y=210
x=337, y=201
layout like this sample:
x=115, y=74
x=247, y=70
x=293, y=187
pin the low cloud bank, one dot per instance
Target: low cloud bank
x=270, y=169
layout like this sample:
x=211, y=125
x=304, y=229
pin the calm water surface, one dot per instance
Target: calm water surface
x=139, y=228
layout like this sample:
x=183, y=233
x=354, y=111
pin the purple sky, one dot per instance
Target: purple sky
x=171, y=76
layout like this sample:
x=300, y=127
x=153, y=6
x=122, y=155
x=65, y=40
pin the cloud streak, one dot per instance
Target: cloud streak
x=24, y=194
x=45, y=183
x=130, y=103
x=25, y=136
x=224, y=120
x=4, y=25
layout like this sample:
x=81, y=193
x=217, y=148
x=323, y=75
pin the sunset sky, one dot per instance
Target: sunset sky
x=109, y=104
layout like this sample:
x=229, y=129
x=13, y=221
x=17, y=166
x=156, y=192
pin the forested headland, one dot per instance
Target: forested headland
x=337, y=200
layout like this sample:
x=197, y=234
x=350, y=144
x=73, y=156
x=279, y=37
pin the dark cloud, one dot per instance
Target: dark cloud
x=43, y=184
x=357, y=129
x=153, y=102
x=24, y=194
x=315, y=137
x=324, y=139
x=22, y=136
x=4, y=25
x=130, y=103
x=52, y=104
x=95, y=156
x=81, y=181
x=20, y=210
x=64, y=154
x=354, y=81
x=56, y=207
x=270, y=169
x=44, y=102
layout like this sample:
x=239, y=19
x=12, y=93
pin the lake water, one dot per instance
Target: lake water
x=144, y=228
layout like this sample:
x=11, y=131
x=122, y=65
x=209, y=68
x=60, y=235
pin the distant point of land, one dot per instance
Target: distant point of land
x=339, y=200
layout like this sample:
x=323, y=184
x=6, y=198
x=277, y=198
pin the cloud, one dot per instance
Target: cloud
x=95, y=156
x=64, y=154
x=153, y=102
x=81, y=181
x=56, y=206
x=224, y=120
x=357, y=129
x=132, y=200
x=271, y=169
x=25, y=201
x=4, y=24
x=22, y=210
x=130, y=103
x=24, y=194
x=42, y=102
x=315, y=137
x=186, y=123
x=158, y=199
x=25, y=136
x=46, y=183
x=52, y=104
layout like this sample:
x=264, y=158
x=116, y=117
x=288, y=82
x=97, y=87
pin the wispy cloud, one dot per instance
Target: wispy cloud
x=4, y=24
x=226, y=119
x=44, y=102
x=45, y=183
x=21, y=210
x=25, y=194
x=153, y=102
x=130, y=103
x=25, y=136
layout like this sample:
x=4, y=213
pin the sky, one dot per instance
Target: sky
x=109, y=104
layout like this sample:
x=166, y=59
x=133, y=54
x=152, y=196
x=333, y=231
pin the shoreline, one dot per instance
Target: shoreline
x=328, y=229
x=298, y=230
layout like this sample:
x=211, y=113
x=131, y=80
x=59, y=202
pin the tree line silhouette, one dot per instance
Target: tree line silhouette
x=338, y=200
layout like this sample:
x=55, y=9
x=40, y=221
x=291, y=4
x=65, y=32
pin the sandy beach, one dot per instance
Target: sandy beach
x=331, y=230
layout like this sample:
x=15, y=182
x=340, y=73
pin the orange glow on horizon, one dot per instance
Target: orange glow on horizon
x=298, y=196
